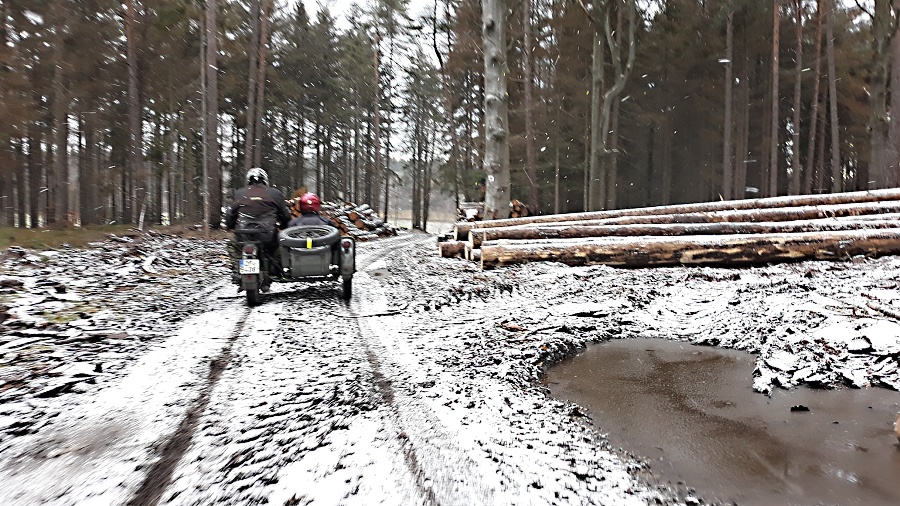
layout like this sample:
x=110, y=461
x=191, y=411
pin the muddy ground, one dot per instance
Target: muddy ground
x=133, y=373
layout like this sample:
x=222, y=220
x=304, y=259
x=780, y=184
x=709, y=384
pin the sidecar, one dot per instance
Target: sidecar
x=316, y=253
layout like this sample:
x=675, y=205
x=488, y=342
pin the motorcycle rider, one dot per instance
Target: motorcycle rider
x=310, y=204
x=256, y=206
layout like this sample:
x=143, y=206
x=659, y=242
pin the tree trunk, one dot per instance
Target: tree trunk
x=798, y=71
x=35, y=168
x=211, y=136
x=22, y=187
x=547, y=231
x=879, y=122
x=743, y=141
x=596, y=178
x=737, y=250
x=253, y=53
x=773, y=142
x=727, y=155
x=375, y=173
x=530, y=163
x=135, y=131
x=893, y=153
x=756, y=205
x=496, y=116
x=814, y=106
x=57, y=195
x=261, y=85
x=837, y=177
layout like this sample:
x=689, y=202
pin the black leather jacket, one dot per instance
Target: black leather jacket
x=259, y=204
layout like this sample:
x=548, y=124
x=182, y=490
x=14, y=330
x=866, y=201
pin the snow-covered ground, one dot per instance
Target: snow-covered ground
x=133, y=372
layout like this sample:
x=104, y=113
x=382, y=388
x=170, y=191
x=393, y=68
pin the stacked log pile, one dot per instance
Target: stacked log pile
x=725, y=233
x=358, y=221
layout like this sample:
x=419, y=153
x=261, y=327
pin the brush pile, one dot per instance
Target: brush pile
x=726, y=233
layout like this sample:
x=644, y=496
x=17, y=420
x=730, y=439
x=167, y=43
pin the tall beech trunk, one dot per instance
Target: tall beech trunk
x=893, y=152
x=882, y=31
x=261, y=84
x=772, y=173
x=743, y=141
x=211, y=135
x=135, y=131
x=496, y=116
x=798, y=71
x=57, y=196
x=837, y=177
x=814, y=107
x=250, y=135
x=530, y=163
x=728, y=128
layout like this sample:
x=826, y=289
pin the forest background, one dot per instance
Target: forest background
x=150, y=111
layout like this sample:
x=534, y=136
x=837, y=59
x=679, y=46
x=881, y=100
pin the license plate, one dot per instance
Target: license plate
x=249, y=266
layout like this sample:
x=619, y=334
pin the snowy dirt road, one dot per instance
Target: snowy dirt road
x=423, y=389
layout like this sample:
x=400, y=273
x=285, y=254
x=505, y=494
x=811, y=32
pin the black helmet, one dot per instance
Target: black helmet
x=257, y=176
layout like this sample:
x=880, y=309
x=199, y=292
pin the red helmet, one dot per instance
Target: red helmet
x=310, y=203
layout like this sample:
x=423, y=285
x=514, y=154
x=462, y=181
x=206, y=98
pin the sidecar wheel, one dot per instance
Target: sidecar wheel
x=253, y=297
x=347, y=288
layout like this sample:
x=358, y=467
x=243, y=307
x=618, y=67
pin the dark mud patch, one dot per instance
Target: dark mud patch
x=692, y=414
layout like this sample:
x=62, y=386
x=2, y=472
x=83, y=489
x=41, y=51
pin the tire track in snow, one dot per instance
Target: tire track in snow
x=444, y=473
x=295, y=418
x=98, y=449
x=159, y=476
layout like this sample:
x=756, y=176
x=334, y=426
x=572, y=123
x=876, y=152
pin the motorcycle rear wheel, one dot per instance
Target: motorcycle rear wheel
x=253, y=297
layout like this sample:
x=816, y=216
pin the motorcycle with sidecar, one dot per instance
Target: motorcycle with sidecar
x=303, y=253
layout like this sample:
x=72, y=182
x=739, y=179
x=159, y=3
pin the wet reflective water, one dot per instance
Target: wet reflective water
x=692, y=413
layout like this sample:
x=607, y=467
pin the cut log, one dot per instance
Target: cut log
x=728, y=251
x=461, y=231
x=749, y=215
x=452, y=249
x=562, y=231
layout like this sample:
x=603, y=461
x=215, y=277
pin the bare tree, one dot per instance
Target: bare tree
x=814, y=107
x=727, y=155
x=601, y=117
x=798, y=70
x=135, y=131
x=253, y=53
x=837, y=177
x=496, y=116
x=893, y=152
x=530, y=169
x=773, y=143
x=261, y=84
x=213, y=181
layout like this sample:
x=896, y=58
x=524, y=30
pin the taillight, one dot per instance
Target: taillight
x=249, y=249
x=346, y=243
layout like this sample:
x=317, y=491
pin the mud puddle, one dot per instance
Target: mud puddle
x=691, y=412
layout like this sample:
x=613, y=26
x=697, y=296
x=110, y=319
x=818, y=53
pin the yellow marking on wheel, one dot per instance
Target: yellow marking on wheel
x=309, y=243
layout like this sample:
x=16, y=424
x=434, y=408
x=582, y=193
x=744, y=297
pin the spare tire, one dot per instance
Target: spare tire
x=298, y=237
